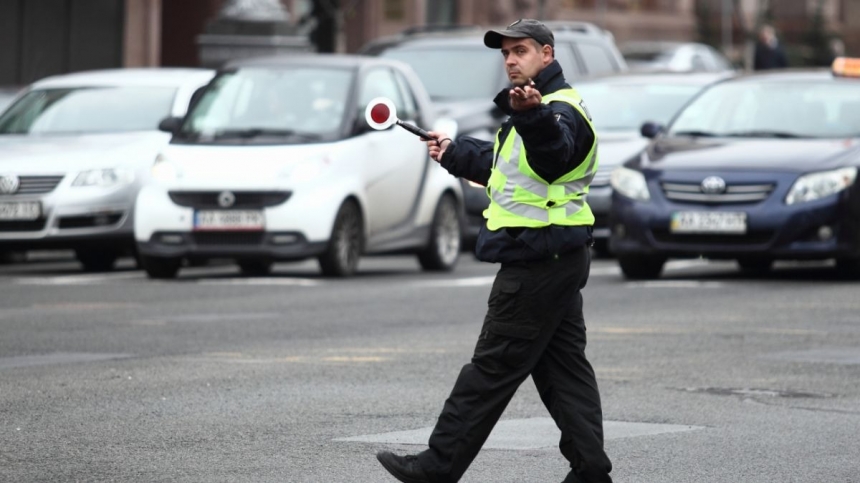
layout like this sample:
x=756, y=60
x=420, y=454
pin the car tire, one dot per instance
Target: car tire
x=11, y=257
x=446, y=234
x=601, y=248
x=343, y=252
x=160, y=267
x=848, y=268
x=755, y=265
x=641, y=267
x=96, y=260
x=255, y=268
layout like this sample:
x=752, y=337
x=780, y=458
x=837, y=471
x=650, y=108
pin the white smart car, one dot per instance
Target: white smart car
x=276, y=162
x=74, y=150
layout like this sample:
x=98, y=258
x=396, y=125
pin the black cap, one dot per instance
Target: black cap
x=521, y=29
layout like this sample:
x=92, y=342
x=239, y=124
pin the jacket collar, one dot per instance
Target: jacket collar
x=549, y=80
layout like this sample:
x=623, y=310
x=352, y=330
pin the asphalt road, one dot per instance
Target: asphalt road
x=707, y=375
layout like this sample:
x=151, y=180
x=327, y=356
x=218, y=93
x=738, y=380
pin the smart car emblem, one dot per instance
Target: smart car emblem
x=9, y=184
x=226, y=199
x=713, y=185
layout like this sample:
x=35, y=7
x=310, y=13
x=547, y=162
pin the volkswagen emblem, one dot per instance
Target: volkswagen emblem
x=226, y=199
x=713, y=185
x=9, y=184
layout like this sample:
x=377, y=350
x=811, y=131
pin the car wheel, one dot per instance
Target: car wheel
x=159, y=267
x=848, y=268
x=340, y=258
x=755, y=265
x=95, y=260
x=443, y=251
x=601, y=248
x=255, y=267
x=13, y=257
x=641, y=267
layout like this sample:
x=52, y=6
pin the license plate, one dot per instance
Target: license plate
x=20, y=210
x=229, y=220
x=709, y=222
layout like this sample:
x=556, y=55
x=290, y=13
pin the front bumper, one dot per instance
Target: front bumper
x=231, y=244
x=73, y=217
x=774, y=230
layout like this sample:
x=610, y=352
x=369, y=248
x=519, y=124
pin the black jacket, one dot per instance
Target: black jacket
x=557, y=140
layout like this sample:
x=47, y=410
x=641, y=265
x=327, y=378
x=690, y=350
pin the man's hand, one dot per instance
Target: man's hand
x=437, y=145
x=526, y=97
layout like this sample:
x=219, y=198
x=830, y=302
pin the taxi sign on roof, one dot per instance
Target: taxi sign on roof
x=846, y=67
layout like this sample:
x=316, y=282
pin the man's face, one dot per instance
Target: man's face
x=524, y=59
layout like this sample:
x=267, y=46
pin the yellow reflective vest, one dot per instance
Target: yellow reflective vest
x=519, y=197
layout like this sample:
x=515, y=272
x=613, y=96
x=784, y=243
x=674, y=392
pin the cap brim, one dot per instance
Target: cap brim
x=493, y=38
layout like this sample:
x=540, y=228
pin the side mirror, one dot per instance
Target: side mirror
x=650, y=129
x=170, y=124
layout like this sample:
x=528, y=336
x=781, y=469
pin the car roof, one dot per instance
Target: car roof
x=658, y=77
x=471, y=35
x=151, y=77
x=318, y=59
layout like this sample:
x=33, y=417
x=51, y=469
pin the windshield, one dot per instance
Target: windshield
x=825, y=109
x=88, y=110
x=299, y=101
x=449, y=73
x=624, y=107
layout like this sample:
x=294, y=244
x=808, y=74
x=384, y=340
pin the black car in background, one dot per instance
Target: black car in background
x=620, y=105
x=757, y=168
x=463, y=76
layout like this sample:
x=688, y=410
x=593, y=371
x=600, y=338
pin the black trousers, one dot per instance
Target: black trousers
x=534, y=326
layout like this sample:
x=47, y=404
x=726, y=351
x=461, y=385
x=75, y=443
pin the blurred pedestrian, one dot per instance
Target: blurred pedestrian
x=769, y=53
x=538, y=226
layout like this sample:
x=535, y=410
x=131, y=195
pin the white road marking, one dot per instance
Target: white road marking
x=84, y=279
x=456, y=282
x=298, y=282
x=527, y=434
x=673, y=284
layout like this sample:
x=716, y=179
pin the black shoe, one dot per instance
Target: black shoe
x=404, y=468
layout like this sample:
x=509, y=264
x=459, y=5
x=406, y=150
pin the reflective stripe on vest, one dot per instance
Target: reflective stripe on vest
x=519, y=197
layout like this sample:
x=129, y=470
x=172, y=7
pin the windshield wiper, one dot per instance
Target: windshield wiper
x=698, y=134
x=762, y=133
x=257, y=132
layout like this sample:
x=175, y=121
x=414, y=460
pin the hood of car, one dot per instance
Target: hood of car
x=59, y=154
x=794, y=155
x=252, y=166
x=464, y=108
x=616, y=147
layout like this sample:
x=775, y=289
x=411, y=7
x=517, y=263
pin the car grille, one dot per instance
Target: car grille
x=738, y=193
x=757, y=237
x=244, y=199
x=89, y=221
x=34, y=185
x=227, y=238
x=22, y=225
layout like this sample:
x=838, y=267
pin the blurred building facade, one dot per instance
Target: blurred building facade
x=44, y=37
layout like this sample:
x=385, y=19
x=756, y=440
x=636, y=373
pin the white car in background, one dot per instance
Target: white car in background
x=74, y=151
x=276, y=162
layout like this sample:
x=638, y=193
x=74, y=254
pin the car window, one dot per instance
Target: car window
x=805, y=109
x=596, y=59
x=410, y=107
x=565, y=57
x=468, y=73
x=380, y=82
x=88, y=110
x=624, y=107
x=302, y=99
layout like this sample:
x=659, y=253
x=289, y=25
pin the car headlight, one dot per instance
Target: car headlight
x=814, y=186
x=104, y=177
x=630, y=183
x=163, y=170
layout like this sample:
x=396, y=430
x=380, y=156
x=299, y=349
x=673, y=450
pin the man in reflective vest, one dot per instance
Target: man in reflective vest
x=538, y=227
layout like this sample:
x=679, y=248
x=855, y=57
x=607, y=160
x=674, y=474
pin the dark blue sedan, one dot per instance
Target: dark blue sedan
x=756, y=169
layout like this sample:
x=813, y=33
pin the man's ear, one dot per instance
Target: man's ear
x=547, y=54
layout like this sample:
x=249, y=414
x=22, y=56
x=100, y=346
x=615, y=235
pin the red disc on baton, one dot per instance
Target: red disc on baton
x=380, y=113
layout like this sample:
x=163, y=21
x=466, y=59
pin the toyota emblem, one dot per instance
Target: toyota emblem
x=9, y=184
x=713, y=185
x=226, y=199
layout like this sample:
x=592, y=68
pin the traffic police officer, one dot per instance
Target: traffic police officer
x=538, y=227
